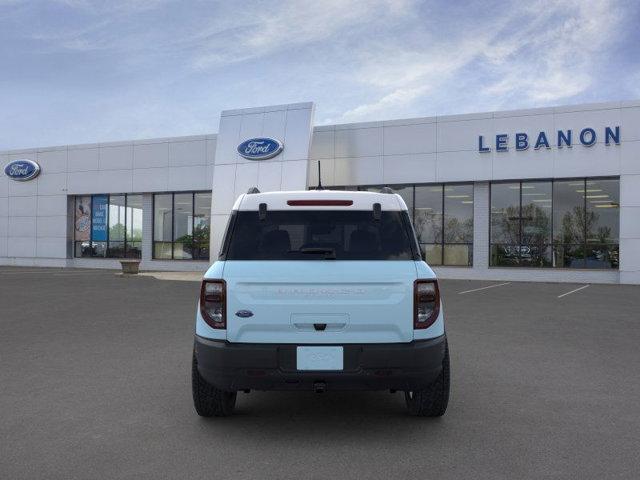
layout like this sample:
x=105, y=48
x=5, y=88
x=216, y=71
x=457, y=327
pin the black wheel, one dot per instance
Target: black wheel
x=208, y=400
x=433, y=400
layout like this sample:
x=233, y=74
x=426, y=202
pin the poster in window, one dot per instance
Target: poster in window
x=83, y=219
x=99, y=220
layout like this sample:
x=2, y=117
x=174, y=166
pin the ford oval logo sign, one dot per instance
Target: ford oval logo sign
x=260, y=148
x=22, y=170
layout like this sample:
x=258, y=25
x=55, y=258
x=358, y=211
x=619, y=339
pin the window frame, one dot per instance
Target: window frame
x=553, y=243
x=173, y=213
x=107, y=241
x=412, y=213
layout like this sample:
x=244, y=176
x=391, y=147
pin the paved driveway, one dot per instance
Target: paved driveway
x=94, y=383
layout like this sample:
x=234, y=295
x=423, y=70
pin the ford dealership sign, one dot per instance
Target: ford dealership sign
x=564, y=138
x=260, y=148
x=22, y=170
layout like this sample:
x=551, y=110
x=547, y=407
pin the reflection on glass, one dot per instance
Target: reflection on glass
x=162, y=217
x=108, y=226
x=569, y=256
x=117, y=219
x=568, y=212
x=601, y=256
x=442, y=216
x=162, y=250
x=432, y=254
x=564, y=224
x=134, y=226
x=182, y=225
x=82, y=226
x=428, y=214
x=603, y=211
x=201, y=225
x=505, y=213
x=505, y=255
x=535, y=243
x=458, y=254
x=458, y=214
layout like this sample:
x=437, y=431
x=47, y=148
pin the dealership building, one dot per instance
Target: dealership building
x=547, y=194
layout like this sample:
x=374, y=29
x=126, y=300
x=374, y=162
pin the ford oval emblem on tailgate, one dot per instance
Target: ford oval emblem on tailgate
x=244, y=313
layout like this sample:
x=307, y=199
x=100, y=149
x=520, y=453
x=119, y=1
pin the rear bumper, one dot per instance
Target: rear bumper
x=397, y=366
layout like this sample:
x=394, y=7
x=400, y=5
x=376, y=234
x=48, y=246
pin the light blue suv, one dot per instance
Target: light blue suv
x=320, y=290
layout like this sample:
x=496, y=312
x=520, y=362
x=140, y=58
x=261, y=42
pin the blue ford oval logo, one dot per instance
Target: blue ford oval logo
x=244, y=313
x=22, y=170
x=260, y=148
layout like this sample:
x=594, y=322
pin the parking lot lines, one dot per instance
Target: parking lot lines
x=483, y=288
x=573, y=291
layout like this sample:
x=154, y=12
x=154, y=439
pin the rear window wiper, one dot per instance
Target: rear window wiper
x=330, y=253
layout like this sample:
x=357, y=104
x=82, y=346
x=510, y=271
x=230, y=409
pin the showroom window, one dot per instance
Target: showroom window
x=108, y=226
x=442, y=216
x=181, y=224
x=564, y=224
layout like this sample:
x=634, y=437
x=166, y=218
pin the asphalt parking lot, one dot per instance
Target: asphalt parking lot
x=95, y=383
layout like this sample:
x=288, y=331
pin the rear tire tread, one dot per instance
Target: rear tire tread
x=208, y=400
x=433, y=400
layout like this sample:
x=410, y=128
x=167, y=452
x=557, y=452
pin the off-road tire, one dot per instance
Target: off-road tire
x=433, y=400
x=207, y=399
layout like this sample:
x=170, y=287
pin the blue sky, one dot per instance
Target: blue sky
x=77, y=71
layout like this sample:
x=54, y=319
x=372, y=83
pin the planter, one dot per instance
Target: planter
x=130, y=266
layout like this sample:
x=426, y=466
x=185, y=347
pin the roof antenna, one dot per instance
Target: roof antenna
x=319, y=187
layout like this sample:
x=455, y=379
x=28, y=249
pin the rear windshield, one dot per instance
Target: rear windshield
x=319, y=235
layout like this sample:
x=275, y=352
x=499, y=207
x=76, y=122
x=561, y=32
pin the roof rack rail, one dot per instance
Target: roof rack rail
x=386, y=190
x=253, y=190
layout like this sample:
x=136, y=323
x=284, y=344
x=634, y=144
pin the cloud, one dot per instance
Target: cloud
x=555, y=63
x=125, y=69
x=542, y=53
x=286, y=25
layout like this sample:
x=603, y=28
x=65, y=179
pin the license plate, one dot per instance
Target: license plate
x=320, y=358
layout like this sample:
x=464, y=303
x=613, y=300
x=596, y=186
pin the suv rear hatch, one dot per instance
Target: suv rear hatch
x=320, y=276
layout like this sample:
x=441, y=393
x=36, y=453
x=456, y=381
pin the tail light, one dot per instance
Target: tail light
x=213, y=303
x=426, y=303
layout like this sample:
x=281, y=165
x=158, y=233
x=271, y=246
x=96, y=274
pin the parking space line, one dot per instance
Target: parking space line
x=573, y=291
x=484, y=288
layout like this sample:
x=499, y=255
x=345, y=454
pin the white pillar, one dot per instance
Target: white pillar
x=147, y=227
x=630, y=229
x=481, y=212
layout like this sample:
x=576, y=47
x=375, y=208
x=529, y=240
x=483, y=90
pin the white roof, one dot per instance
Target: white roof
x=360, y=200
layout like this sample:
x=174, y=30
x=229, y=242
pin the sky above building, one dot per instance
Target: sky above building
x=77, y=71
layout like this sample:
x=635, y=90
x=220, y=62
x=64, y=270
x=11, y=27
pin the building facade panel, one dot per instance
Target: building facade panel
x=54, y=160
x=116, y=157
x=81, y=158
x=188, y=153
x=151, y=155
x=98, y=191
x=52, y=183
x=409, y=139
x=358, y=142
x=51, y=205
x=406, y=168
x=322, y=145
